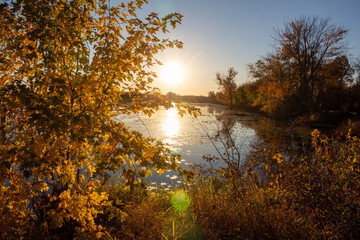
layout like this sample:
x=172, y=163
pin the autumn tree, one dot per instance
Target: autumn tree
x=64, y=66
x=294, y=73
x=310, y=42
x=333, y=85
x=275, y=80
x=227, y=86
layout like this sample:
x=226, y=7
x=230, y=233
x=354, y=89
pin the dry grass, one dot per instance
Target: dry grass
x=252, y=214
x=309, y=197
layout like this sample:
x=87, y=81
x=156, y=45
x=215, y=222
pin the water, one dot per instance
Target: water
x=191, y=137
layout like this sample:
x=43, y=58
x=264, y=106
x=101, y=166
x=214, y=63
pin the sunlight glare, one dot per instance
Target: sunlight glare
x=171, y=123
x=172, y=73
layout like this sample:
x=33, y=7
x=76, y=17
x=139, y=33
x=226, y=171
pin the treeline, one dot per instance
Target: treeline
x=170, y=96
x=186, y=98
x=309, y=72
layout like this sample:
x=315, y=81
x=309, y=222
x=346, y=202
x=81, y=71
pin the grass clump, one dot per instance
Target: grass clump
x=247, y=212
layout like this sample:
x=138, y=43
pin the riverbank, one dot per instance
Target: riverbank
x=313, y=196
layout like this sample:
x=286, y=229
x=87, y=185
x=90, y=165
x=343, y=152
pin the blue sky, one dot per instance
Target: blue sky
x=219, y=34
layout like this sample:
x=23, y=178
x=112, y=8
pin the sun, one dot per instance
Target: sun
x=172, y=73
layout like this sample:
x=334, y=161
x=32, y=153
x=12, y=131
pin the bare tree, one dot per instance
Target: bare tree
x=310, y=42
x=356, y=67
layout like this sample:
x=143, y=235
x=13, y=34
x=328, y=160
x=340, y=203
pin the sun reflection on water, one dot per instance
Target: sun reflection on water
x=171, y=124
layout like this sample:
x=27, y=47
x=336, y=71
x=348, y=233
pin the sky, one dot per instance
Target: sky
x=219, y=34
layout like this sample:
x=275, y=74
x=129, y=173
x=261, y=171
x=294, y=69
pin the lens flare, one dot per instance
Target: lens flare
x=180, y=201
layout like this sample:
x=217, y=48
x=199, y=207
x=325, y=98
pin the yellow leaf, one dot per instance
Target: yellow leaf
x=98, y=235
x=161, y=171
x=278, y=158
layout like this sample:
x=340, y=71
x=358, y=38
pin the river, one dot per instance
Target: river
x=193, y=137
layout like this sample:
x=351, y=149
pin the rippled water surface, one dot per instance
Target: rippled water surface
x=190, y=136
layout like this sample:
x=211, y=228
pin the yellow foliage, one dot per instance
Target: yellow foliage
x=279, y=158
x=66, y=66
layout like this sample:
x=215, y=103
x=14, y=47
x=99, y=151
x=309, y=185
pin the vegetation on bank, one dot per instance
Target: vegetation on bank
x=314, y=196
x=270, y=196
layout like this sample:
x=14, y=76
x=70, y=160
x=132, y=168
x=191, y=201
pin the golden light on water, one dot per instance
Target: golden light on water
x=171, y=123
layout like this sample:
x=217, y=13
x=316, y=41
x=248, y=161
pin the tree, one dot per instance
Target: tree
x=355, y=87
x=227, y=86
x=356, y=66
x=64, y=66
x=292, y=78
x=310, y=42
x=334, y=80
x=212, y=96
x=275, y=83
